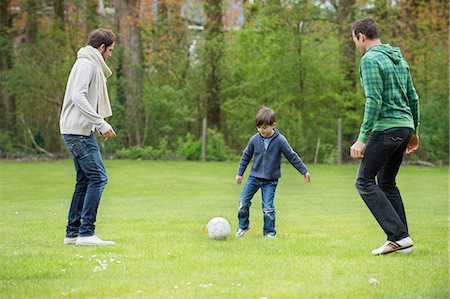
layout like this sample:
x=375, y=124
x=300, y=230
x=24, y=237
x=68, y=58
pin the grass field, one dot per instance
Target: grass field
x=156, y=213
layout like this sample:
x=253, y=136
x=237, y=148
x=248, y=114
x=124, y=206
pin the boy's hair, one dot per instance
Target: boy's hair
x=265, y=116
x=368, y=27
x=99, y=37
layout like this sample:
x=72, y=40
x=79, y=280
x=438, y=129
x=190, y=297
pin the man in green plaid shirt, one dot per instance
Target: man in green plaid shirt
x=390, y=128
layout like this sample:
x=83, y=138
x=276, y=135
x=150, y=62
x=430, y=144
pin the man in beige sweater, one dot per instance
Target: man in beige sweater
x=86, y=104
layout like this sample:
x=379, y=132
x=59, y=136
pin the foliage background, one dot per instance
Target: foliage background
x=177, y=62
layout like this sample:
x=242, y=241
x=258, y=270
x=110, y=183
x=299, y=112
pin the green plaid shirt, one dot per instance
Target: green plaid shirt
x=391, y=99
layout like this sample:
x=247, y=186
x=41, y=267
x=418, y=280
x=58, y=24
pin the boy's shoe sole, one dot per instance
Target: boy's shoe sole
x=70, y=241
x=241, y=232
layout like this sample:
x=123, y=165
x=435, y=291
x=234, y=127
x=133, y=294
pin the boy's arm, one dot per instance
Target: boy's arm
x=293, y=157
x=245, y=158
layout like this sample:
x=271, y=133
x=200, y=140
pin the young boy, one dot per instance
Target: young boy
x=266, y=146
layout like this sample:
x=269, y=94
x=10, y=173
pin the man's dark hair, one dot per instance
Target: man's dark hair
x=265, y=116
x=99, y=37
x=368, y=27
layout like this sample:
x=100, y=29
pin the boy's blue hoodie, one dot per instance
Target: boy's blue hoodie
x=267, y=163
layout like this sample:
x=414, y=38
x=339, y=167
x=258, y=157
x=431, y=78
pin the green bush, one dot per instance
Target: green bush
x=146, y=153
x=137, y=153
x=6, y=146
x=189, y=149
x=217, y=149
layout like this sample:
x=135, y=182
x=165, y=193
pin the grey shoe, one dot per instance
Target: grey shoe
x=93, y=241
x=240, y=232
x=393, y=246
x=70, y=240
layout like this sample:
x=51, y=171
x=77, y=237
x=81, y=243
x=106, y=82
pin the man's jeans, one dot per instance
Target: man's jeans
x=90, y=182
x=268, y=188
x=383, y=156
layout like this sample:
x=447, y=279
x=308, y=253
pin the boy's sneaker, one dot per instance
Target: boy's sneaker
x=241, y=232
x=393, y=246
x=70, y=240
x=269, y=236
x=93, y=241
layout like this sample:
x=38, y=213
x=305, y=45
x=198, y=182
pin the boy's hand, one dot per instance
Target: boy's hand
x=238, y=179
x=307, y=177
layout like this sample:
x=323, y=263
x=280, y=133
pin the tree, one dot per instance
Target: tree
x=213, y=52
x=130, y=50
x=7, y=102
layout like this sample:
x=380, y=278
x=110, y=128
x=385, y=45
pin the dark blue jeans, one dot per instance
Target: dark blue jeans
x=91, y=179
x=383, y=156
x=268, y=188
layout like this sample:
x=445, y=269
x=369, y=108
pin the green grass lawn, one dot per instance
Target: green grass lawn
x=156, y=212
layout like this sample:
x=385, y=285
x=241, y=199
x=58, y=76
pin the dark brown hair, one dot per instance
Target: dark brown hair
x=265, y=116
x=99, y=37
x=368, y=27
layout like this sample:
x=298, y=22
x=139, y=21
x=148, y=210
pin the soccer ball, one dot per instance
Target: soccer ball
x=218, y=228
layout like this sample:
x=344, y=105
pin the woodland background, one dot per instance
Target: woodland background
x=178, y=62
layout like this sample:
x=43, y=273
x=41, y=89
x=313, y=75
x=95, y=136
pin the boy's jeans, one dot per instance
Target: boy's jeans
x=268, y=188
x=90, y=182
x=382, y=159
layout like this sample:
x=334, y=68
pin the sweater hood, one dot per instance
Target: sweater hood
x=392, y=52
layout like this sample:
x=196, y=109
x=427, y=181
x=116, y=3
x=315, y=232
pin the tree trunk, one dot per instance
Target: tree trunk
x=131, y=63
x=345, y=17
x=7, y=103
x=92, y=20
x=58, y=7
x=31, y=27
x=213, y=53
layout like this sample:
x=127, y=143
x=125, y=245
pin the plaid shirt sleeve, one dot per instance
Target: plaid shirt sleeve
x=372, y=84
x=413, y=103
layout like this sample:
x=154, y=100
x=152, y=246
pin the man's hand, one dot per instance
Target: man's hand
x=357, y=150
x=307, y=177
x=238, y=179
x=108, y=134
x=413, y=144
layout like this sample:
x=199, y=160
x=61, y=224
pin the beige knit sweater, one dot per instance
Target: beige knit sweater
x=79, y=114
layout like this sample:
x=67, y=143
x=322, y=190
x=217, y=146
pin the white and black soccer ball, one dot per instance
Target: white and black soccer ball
x=218, y=228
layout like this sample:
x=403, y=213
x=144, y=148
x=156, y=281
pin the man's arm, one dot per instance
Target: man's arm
x=372, y=84
x=83, y=76
x=413, y=103
x=413, y=99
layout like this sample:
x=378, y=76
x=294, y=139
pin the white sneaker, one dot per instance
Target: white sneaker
x=240, y=232
x=70, y=241
x=405, y=251
x=93, y=241
x=393, y=246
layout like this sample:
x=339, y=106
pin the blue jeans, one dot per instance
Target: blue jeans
x=91, y=179
x=383, y=156
x=268, y=188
